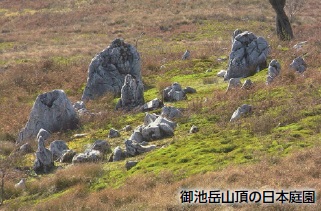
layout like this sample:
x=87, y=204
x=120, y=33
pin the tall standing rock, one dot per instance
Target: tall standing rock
x=51, y=111
x=107, y=70
x=248, y=55
x=132, y=93
x=44, y=159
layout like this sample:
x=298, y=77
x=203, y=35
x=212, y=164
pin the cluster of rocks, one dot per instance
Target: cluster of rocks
x=59, y=151
x=93, y=153
x=176, y=93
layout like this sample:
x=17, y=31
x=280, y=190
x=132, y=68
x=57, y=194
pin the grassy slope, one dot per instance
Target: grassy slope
x=49, y=45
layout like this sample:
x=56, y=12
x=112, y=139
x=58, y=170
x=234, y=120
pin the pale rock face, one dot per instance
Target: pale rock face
x=240, y=111
x=248, y=55
x=51, y=111
x=108, y=69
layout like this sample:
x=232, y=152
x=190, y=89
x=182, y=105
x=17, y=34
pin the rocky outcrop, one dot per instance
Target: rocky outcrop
x=107, y=70
x=51, y=111
x=299, y=65
x=248, y=55
x=240, y=111
x=273, y=71
x=132, y=94
x=44, y=162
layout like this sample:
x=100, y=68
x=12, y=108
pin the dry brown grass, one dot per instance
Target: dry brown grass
x=150, y=192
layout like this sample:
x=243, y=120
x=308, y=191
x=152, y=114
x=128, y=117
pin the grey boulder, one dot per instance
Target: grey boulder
x=113, y=133
x=171, y=112
x=51, y=111
x=66, y=156
x=240, y=111
x=44, y=159
x=299, y=65
x=248, y=55
x=107, y=70
x=174, y=93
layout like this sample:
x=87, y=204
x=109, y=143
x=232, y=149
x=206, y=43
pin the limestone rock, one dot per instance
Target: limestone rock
x=79, y=105
x=149, y=118
x=174, y=93
x=137, y=135
x=194, y=129
x=189, y=90
x=44, y=159
x=66, y=156
x=107, y=70
x=240, y=111
x=186, y=55
x=89, y=156
x=248, y=84
x=132, y=93
x=273, y=71
x=42, y=132
x=171, y=112
x=130, y=164
x=113, y=133
x=233, y=83
x=21, y=184
x=221, y=73
x=118, y=154
x=100, y=145
x=57, y=147
x=127, y=128
x=299, y=65
x=133, y=148
x=152, y=105
x=51, y=111
x=248, y=55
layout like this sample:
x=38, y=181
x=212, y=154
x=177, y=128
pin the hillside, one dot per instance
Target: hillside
x=46, y=45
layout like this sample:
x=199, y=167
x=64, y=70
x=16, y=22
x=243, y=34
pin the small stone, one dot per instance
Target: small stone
x=113, y=133
x=194, y=129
